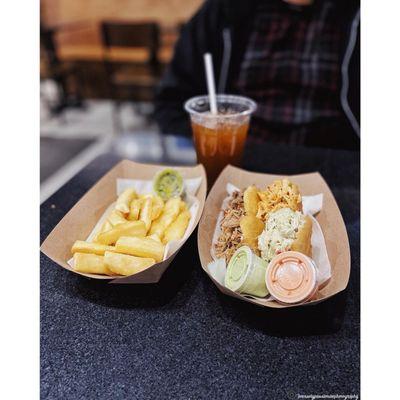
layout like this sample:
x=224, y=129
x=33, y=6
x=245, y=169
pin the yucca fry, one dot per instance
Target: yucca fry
x=90, y=264
x=158, y=206
x=123, y=264
x=155, y=237
x=134, y=210
x=124, y=200
x=131, y=228
x=168, y=215
x=106, y=226
x=145, y=212
x=178, y=228
x=141, y=247
x=116, y=217
x=81, y=246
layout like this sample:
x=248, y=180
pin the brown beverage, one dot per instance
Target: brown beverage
x=219, y=138
x=218, y=147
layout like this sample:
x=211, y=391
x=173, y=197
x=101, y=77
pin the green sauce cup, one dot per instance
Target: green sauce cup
x=246, y=273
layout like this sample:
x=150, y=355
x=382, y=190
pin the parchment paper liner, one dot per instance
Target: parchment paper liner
x=329, y=218
x=84, y=215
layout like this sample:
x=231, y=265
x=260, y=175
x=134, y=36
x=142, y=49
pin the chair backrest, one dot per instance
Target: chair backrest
x=48, y=45
x=132, y=35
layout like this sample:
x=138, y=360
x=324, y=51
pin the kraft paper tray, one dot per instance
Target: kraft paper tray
x=81, y=219
x=329, y=218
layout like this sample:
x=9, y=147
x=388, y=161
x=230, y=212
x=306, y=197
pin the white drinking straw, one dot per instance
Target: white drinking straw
x=210, y=82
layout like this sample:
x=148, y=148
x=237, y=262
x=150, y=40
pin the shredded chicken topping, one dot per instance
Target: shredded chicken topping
x=231, y=235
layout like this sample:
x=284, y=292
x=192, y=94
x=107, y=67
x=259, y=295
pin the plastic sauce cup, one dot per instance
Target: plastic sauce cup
x=246, y=273
x=291, y=278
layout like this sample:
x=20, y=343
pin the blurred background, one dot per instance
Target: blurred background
x=100, y=63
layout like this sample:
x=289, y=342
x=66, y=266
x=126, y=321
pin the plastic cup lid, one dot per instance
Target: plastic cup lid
x=240, y=275
x=291, y=277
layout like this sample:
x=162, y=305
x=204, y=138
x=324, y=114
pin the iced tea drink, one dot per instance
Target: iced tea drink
x=219, y=139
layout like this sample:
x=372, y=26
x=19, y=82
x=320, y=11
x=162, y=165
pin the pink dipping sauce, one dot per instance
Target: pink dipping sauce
x=291, y=278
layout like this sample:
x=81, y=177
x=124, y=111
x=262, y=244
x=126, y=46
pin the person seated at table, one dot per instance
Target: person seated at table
x=298, y=59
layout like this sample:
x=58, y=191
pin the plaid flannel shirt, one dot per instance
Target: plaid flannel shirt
x=291, y=67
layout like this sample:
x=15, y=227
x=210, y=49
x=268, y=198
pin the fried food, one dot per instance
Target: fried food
x=280, y=194
x=133, y=235
x=168, y=215
x=155, y=237
x=122, y=264
x=90, y=264
x=116, y=217
x=134, y=209
x=146, y=212
x=302, y=242
x=177, y=229
x=81, y=246
x=141, y=247
x=251, y=227
x=131, y=228
x=251, y=199
x=124, y=200
x=106, y=226
x=158, y=206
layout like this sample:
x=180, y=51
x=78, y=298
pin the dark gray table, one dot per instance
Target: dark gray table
x=183, y=339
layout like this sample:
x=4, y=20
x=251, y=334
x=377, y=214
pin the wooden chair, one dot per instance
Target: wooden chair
x=137, y=77
x=63, y=74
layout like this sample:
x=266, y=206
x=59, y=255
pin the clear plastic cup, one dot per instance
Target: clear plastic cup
x=219, y=139
x=245, y=273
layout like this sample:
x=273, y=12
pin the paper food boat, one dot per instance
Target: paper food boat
x=329, y=218
x=79, y=222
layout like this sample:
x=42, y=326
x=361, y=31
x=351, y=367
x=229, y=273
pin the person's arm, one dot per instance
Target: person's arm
x=184, y=76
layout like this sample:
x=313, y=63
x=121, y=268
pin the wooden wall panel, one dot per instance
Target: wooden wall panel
x=166, y=12
x=78, y=21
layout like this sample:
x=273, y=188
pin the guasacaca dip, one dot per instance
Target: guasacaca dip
x=246, y=273
x=168, y=183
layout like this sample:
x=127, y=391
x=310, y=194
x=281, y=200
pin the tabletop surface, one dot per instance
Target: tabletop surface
x=182, y=338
